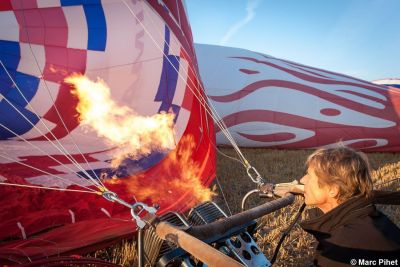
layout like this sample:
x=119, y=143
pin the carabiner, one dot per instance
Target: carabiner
x=258, y=179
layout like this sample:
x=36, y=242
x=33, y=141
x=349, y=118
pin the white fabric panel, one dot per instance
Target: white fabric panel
x=44, y=98
x=50, y=181
x=77, y=27
x=33, y=59
x=174, y=46
x=71, y=168
x=181, y=123
x=181, y=83
x=86, y=140
x=133, y=85
x=48, y=3
x=16, y=149
x=134, y=64
x=9, y=21
x=41, y=128
x=123, y=43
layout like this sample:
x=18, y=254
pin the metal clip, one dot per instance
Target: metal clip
x=141, y=206
x=258, y=179
x=111, y=196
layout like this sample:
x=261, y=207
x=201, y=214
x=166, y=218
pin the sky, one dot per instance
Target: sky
x=360, y=38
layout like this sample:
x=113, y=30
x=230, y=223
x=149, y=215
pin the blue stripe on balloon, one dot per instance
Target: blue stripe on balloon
x=175, y=110
x=14, y=120
x=166, y=42
x=96, y=22
x=27, y=84
x=169, y=78
x=97, y=28
x=393, y=85
x=79, y=2
x=10, y=54
x=168, y=81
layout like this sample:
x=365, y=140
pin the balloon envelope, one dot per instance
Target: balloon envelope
x=143, y=51
x=392, y=82
x=270, y=102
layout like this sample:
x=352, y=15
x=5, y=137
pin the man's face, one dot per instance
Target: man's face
x=314, y=194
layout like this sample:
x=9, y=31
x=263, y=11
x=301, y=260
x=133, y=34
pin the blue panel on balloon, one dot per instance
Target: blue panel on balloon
x=27, y=88
x=97, y=28
x=16, y=118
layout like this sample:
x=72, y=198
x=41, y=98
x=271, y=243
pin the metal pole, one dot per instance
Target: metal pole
x=140, y=248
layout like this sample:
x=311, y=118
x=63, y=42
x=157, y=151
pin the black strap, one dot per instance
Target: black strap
x=286, y=232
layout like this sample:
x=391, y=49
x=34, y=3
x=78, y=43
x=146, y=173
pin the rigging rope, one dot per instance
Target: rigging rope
x=51, y=188
x=207, y=105
x=53, y=175
x=62, y=149
x=219, y=121
x=223, y=196
x=196, y=91
x=41, y=150
x=55, y=107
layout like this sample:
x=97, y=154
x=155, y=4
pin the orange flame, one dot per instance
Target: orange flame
x=178, y=176
x=134, y=135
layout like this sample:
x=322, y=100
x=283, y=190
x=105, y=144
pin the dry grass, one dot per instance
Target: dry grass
x=124, y=253
x=276, y=166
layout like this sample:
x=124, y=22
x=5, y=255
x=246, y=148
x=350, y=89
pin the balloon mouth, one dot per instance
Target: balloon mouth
x=178, y=176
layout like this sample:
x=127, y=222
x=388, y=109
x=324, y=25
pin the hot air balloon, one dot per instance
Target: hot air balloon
x=53, y=167
x=392, y=82
x=270, y=102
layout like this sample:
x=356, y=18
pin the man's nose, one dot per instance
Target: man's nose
x=303, y=179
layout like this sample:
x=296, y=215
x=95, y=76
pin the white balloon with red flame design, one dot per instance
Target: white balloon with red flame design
x=270, y=102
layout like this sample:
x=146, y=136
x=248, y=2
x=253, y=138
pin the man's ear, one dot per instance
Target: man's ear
x=333, y=191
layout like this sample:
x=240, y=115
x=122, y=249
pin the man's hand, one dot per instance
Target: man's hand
x=283, y=188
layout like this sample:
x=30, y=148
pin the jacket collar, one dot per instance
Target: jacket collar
x=357, y=206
